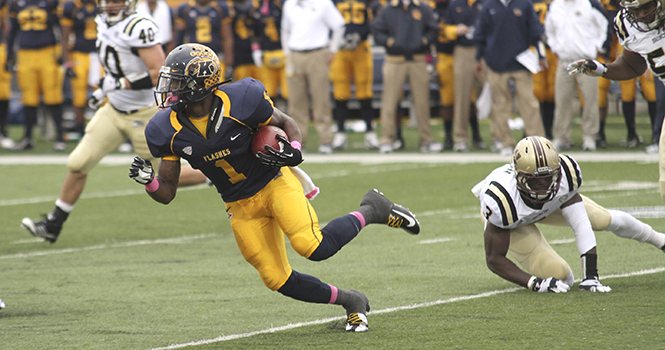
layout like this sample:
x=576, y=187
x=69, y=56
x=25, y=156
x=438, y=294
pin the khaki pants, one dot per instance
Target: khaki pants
x=564, y=93
x=307, y=75
x=463, y=67
x=394, y=77
x=502, y=105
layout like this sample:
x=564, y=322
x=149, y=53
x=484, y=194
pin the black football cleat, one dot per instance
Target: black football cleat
x=391, y=214
x=46, y=229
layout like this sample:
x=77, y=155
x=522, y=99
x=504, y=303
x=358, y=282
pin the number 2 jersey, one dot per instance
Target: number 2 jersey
x=649, y=44
x=224, y=154
x=502, y=205
x=117, y=47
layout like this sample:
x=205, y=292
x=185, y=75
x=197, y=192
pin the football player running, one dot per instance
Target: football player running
x=131, y=55
x=211, y=126
x=541, y=186
x=639, y=26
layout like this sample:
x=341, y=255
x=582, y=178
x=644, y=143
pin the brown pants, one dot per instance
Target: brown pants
x=394, y=77
x=307, y=75
x=502, y=104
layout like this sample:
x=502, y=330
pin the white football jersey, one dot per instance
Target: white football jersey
x=502, y=205
x=650, y=44
x=117, y=46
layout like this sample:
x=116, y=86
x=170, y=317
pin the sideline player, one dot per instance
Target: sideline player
x=639, y=26
x=541, y=186
x=211, y=126
x=131, y=55
x=35, y=24
x=354, y=60
x=80, y=59
x=5, y=81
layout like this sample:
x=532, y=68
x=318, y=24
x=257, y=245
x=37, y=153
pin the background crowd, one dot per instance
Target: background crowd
x=316, y=60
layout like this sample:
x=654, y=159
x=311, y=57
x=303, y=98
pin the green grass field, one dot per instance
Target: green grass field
x=129, y=273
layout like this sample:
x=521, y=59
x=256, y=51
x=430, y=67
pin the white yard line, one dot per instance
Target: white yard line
x=383, y=311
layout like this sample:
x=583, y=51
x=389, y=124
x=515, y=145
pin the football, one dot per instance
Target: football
x=266, y=136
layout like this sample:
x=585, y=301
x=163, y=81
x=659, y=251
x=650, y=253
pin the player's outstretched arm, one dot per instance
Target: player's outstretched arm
x=162, y=188
x=628, y=66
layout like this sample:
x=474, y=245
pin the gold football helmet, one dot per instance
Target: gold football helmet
x=537, y=170
x=644, y=15
x=190, y=73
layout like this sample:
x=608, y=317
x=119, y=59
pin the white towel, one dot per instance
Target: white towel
x=162, y=17
x=311, y=191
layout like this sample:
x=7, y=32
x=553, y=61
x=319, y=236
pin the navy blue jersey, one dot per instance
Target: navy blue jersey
x=81, y=17
x=225, y=154
x=35, y=21
x=202, y=25
x=243, y=32
x=357, y=16
x=268, y=15
x=443, y=43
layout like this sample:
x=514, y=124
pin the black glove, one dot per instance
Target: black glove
x=69, y=70
x=10, y=65
x=141, y=171
x=289, y=156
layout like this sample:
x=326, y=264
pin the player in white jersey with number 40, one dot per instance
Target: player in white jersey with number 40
x=131, y=55
x=640, y=26
x=541, y=187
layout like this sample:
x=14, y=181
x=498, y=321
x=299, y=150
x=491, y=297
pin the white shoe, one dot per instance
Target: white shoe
x=497, y=146
x=589, y=144
x=339, y=141
x=371, y=140
x=461, y=147
x=2, y=304
x=59, y=146
x=435, y=147
x=6, y=142
x=325, y=149
x=385, y=148
x=651, y=149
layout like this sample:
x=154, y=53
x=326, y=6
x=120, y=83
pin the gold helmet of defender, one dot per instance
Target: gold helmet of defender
x=537, y=170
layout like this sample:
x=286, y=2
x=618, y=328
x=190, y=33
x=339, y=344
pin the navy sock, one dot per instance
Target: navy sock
x=367, y=113
x=336, y=234
x=306, y=288
x=629, y=116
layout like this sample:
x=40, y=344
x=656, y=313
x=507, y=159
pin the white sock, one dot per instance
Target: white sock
x=66, y=207
x=625, y=225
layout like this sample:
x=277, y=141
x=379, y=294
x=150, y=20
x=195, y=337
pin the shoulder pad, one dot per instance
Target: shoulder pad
x=572, y=170
x=504, y=201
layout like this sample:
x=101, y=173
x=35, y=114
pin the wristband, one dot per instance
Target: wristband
x=297, y=145
x=153, y=186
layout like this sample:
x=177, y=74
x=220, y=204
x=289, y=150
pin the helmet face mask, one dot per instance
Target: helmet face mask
x=114, y=11
x=537, y=170
x=644, y=15
x=190, y=73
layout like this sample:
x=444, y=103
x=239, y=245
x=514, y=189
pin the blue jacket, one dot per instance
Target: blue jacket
x=503, y=32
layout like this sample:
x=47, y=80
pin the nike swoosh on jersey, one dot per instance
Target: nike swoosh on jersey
x=408, y=218
x=235, y=137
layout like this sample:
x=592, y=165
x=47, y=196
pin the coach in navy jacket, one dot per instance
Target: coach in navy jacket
x=504, y=29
